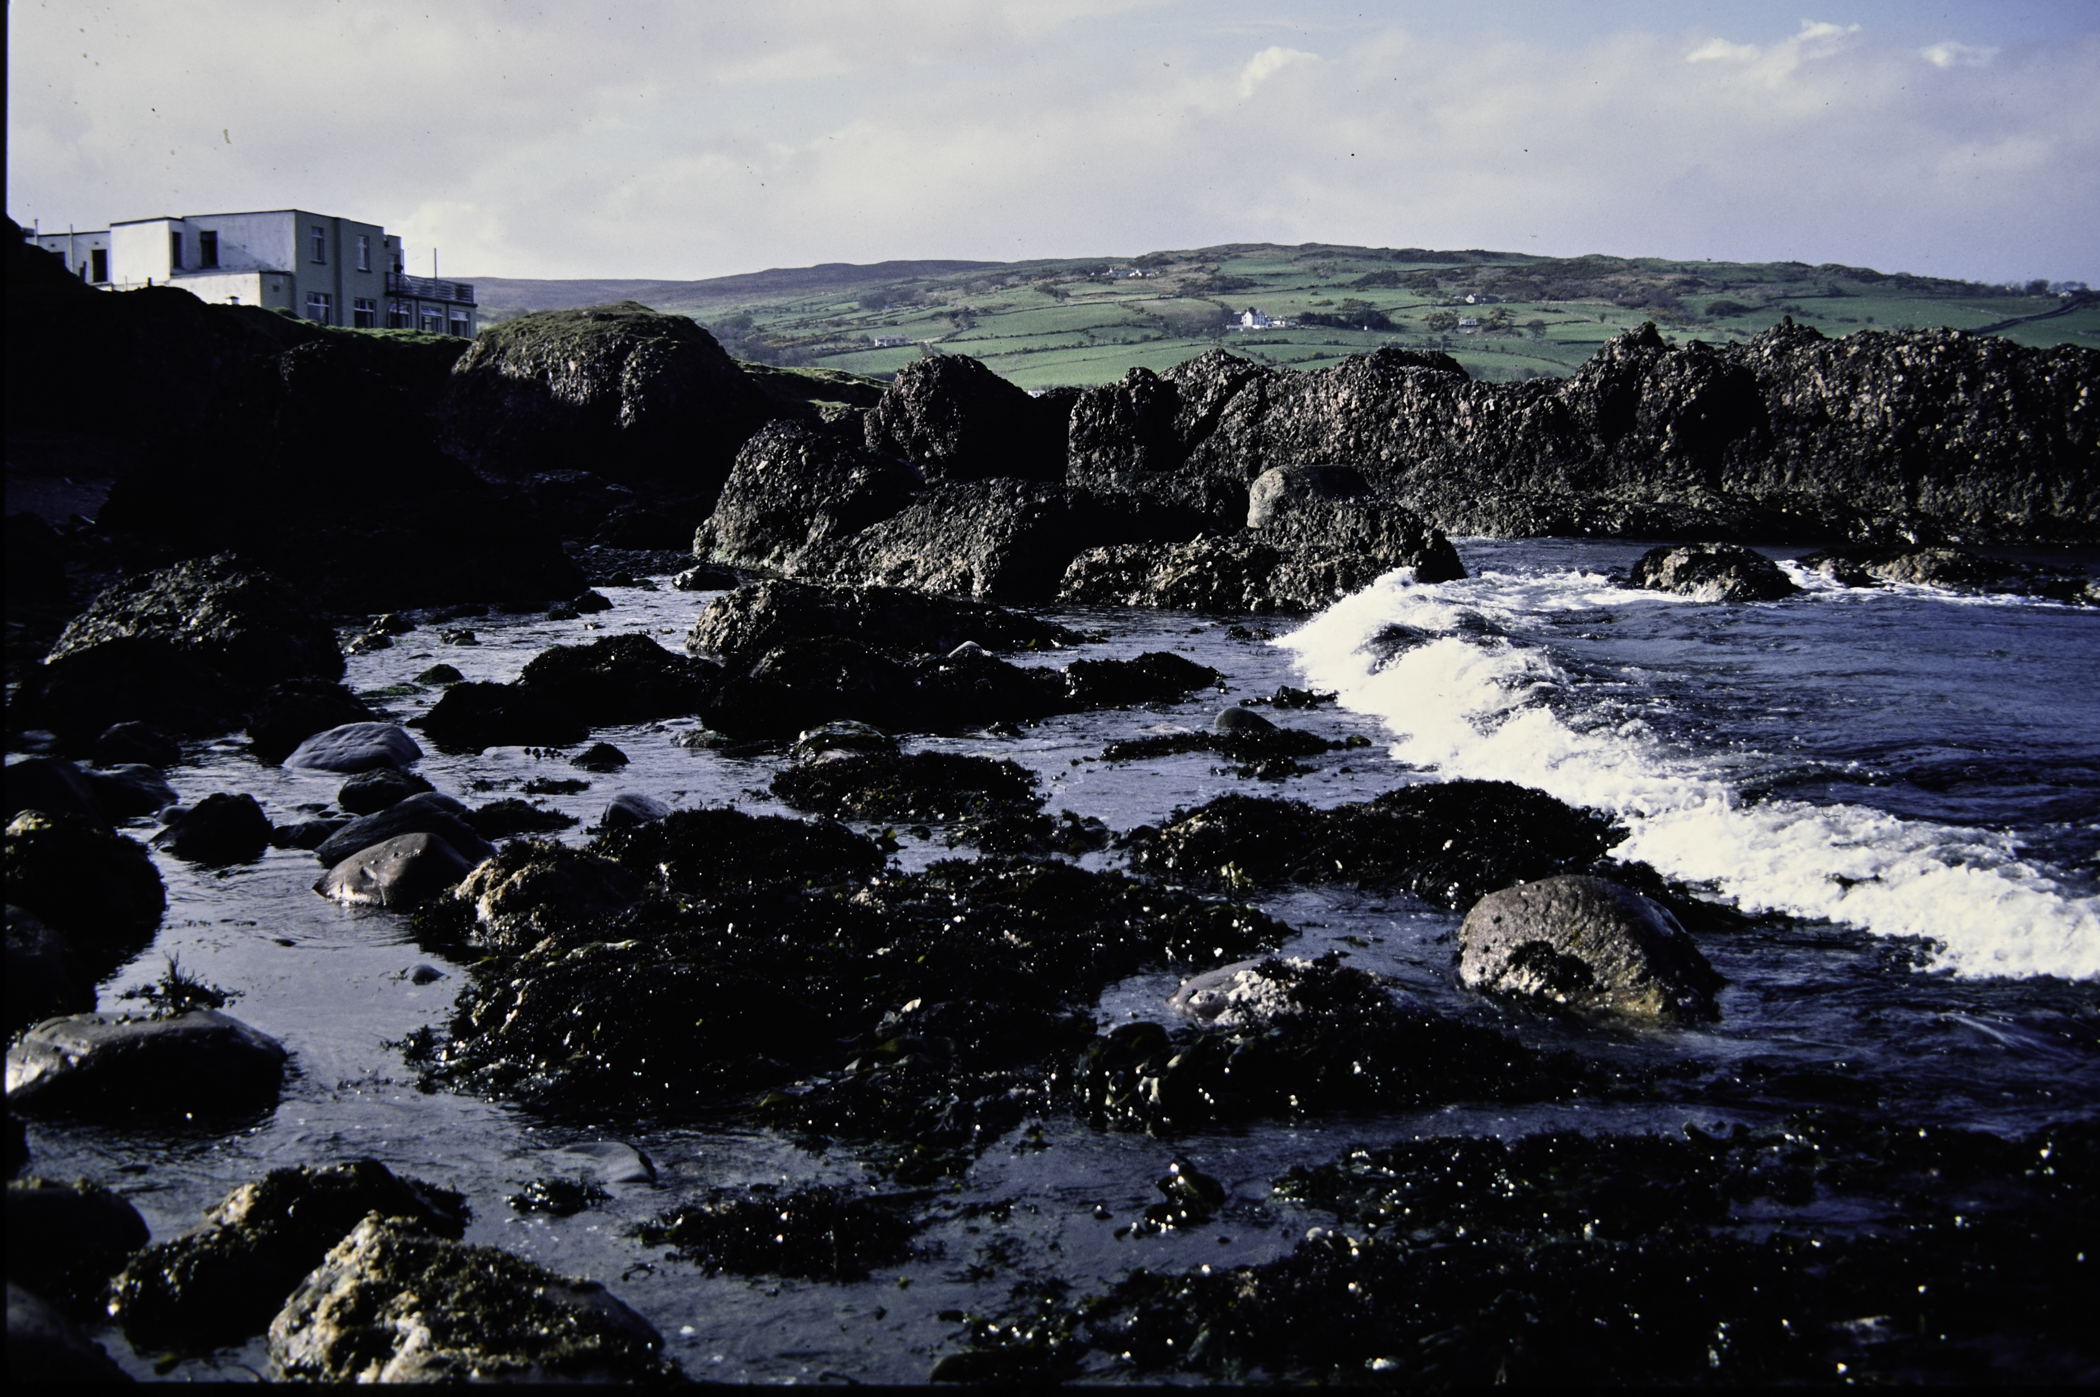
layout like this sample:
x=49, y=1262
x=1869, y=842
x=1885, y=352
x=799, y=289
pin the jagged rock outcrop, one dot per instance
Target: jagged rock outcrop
x=957, y=420
x=1957, y=569
x=619, y=390
x=1711, y=572
x=795, y=493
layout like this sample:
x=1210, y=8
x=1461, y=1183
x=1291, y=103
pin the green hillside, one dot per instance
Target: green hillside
x=1085, y=321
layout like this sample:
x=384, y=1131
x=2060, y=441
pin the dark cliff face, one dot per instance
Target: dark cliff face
x=957, y=420
x=1933, y=435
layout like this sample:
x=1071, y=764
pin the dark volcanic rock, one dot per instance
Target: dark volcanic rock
x=755, y=619
x=288, y=714
x=1449, y=842
x=130, y=789
x=221, y=828
x=1711, y=572
x=42, y=979
x=1587, y=943
x=633, y=394
x=139, y=679
x=246, y=624
x=402, y=871
x=621, y=679
x=196, y=1063
x=532, y=889
x=818, y=681
x=824, y=1232
x=958, y=420
x=798, y=490
x=141, y=743
x=429, y=812
x=97, y=888
x=372, y=791
x=65, y=1241
x=1157, y=676
x=224, y=1279
x=1138, y=437
x=54, y=786
x=1231, y=575
x=393, y=1303
x=476, y=716
x=939, y=787
x=43, y=1346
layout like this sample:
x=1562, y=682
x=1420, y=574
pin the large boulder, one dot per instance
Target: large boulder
x=85, y=692
x=474, y=716
x=634, y=395
x=793, y=687
x=428, y=812
x=100, y=889
x=749, y=622
x=1237, y=574
x=43, y=1346
x=1139, y=436
x=958, y=420
x=248, y=625
x=1586, y=943
x=369, y=792
x=399, y=872
x=532, y=889
x=621, y=679
x=288, y=714
x=354, y=747
x=224, y=1279
x=65, y=1241
x=54, y=786
x=197, y=1063
x=394, y=1303
x=795, y=493
x=221, y=828
x=130, y=788
x=1711, y=572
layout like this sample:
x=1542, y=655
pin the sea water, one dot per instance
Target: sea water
x=1902, y=785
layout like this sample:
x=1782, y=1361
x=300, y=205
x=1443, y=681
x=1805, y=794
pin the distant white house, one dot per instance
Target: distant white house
x=889, y=341
x=1469, y=324
x=1252, y=319
x=333, y=270
x=1481, y=298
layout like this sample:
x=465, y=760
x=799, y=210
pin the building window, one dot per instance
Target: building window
x=398, y=317
x=175, y=252
x=364, y=253
x=433, y=321
x=320, y=240
x=207, y=249
x=364, y=313
x=98, y=264
x=459, y=326
x=320, y=306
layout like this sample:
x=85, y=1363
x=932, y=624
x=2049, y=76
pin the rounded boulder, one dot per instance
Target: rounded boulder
x=1589, y=944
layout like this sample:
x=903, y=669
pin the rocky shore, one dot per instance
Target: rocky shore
x=296, y=495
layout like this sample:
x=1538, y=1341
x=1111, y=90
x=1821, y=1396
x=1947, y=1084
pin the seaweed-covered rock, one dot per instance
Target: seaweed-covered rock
x=399, y=872
x=958, y=420
x=825, y=680
x=372, y=791
x=938, y=787
x=429, y=812
x=1299, y=1037
x=970, y=687
x=393, y=1303
x=621, y=679
x=1157, y=676
x=65, y=1241
x=221, y=828
x=830, y=741
x=1957, y=569
x=356, y=747
x=532, y=889
x=222, y=1280
x=475, y=716
x=288, y=714
x=1449, y=842
x=199, y=1062
x=98, y=888
x=1711, y=572
x=797, y=491
x=712, y=850
x=500, y=819
x=636, y=395
x=246, y=624
x=824, y=1232
x=1136, y=437
x=753, y=620
x=1587, y=943
x=1287, y=570
x=43, y=1346
x=42, y=977
x=632, y=808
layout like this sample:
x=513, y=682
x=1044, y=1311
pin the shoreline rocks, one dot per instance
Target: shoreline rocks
x=1589, y=944
x=199, y=1062
x=1711, y=572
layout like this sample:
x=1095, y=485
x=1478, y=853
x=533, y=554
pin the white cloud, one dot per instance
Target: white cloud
x=1946, y=55
x=672, y=140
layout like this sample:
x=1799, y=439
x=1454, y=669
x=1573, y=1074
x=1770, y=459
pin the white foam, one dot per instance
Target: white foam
x=1467, y=705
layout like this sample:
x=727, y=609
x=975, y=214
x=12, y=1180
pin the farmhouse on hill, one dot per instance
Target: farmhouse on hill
x=333, y=270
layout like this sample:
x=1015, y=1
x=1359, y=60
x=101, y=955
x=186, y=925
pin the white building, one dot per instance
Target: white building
x=333, y=270
x=1252, y=319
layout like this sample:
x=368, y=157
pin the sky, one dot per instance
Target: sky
x=687, y=139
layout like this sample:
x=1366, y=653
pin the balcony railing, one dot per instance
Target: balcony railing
x=429, y=288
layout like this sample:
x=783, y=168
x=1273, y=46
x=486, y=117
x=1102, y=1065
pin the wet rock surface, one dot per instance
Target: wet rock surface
x=824, y=1233
x=1586, y=943
x=621, y=679
x=225, y=1278
x=244, y=623
x=43, y=1346
x=430, y=812
x=958, y=420
x=220, y=828
x=356, y=747
x=1958, y=569
x=373, y=791
x=796, y=492
x=65, y=1241
x=473, y=716
x=288, y=714
x=195, y=1063
x=44, y=978
x=756, y=619
x=397, y=872
x=98, y=888
x=1450, y=843
x=394, y=1303
x=1711, y=572
x=926, y=786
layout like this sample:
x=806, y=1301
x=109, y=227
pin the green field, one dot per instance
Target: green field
x=1067, y=322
